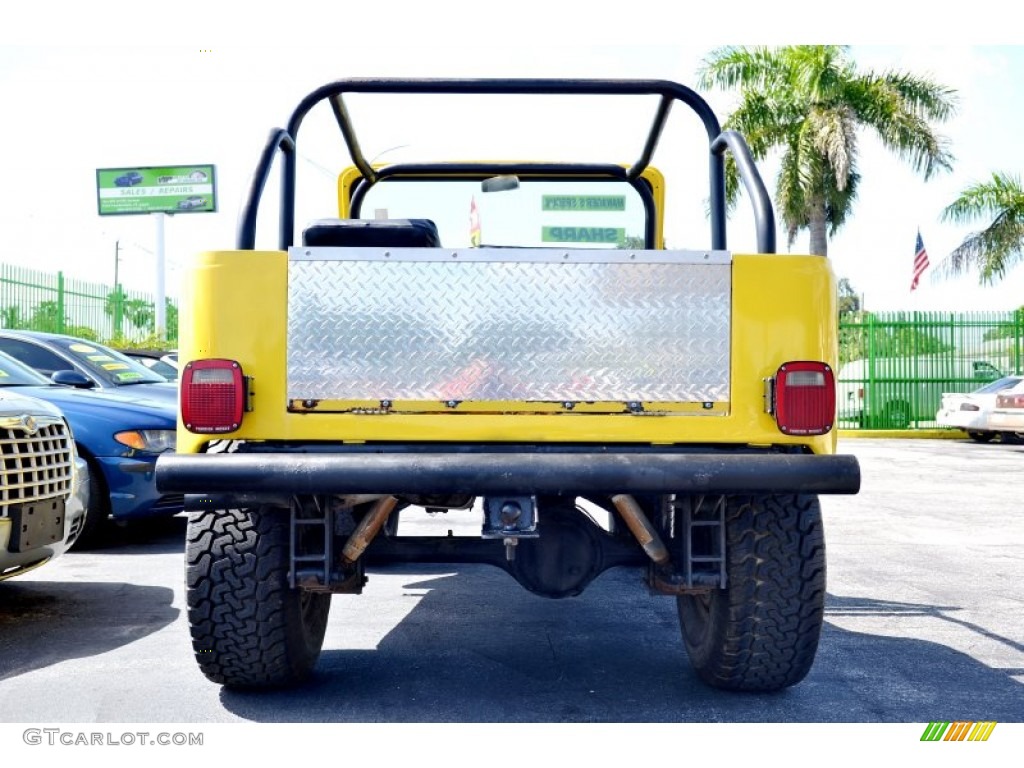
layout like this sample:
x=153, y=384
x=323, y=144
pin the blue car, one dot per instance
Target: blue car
x=85, y=364
x=119, y=433
x=129, y=179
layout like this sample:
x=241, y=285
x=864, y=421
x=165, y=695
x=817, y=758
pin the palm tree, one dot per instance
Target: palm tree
x=849, y=299
x=1001, y=244
x=810, y=101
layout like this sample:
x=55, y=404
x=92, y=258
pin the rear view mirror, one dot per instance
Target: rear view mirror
x=499, y=183
x=72, y=379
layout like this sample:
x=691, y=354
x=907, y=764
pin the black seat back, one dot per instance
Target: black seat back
x=371, y=233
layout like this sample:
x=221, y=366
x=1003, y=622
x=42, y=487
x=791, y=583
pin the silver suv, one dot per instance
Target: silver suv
x=43, y=484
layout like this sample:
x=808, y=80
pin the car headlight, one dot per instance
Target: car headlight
x=149, y=440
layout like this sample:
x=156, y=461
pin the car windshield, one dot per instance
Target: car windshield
x=165, y=369
x=525, y=213
x=16, y=374
x=107, y=364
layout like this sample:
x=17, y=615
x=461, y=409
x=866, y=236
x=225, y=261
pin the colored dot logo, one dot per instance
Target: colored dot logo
x=958, y=731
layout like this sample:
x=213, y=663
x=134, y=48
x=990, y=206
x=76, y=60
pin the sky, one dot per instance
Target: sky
x=211, y=93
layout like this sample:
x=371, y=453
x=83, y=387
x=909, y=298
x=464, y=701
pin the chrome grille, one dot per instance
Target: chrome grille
x=34, y=464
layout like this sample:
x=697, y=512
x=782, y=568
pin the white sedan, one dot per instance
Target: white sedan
x=972, y=411
x=1008, y=413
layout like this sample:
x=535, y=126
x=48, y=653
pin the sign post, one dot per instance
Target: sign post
x=158, y=191
x=161, y=298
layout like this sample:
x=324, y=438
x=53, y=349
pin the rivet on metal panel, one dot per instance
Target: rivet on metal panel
x=568, y=405
x=309, y=253
x=309, y=403
x=636, y=407
x=385, y=403
x=452, y=403
x=455, y=255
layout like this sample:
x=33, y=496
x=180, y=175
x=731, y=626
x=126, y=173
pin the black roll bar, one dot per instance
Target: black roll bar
x=246, y=233
x=286, y=139
x=764, y=216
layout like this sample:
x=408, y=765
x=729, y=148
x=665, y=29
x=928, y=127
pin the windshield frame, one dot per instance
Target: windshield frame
x=647, y=186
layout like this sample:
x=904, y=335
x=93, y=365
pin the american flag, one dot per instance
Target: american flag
x=920, y=262
x=474, y=223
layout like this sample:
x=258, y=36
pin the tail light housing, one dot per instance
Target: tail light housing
x=1010, y=401
x=213, y=394
x=805, y=398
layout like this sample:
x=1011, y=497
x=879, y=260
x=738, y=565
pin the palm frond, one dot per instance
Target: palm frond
x=992, y=251
x=809, y=102
x=987, y=199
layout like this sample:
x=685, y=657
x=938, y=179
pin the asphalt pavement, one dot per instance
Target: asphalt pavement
x=924, y=621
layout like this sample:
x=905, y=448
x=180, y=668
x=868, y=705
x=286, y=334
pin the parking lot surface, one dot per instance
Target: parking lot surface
x=924, y=621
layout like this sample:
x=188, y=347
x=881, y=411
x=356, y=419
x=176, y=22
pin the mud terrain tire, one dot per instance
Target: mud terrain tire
x=249, y=628
x=761, y=632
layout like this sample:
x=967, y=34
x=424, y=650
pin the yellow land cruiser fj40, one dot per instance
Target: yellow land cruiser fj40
x=513, y=338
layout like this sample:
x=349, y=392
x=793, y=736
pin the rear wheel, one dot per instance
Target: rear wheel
x=897, y=415
x=249, y=628
x=761, y=632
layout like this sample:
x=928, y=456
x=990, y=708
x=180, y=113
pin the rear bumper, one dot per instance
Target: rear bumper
x=972, y=420
x=255, y=477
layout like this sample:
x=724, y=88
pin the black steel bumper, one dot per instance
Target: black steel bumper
x=269, y=476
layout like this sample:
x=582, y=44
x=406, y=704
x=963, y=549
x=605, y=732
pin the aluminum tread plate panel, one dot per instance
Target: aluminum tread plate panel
x=432, y=330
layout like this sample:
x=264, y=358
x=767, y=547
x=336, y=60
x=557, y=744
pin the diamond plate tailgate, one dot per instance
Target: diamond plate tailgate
x=430, y=326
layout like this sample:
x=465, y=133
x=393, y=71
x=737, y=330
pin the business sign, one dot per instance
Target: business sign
x=583, y=234
x=166, y=189
x=583, y=203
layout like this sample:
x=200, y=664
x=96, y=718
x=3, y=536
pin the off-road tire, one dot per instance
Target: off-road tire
x=761, y=632
x=249, y=628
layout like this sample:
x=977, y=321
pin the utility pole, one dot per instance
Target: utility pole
x=118, y=302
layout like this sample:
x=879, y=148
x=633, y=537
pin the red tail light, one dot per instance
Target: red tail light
x=805, y=398
x=1010, y=401
x=212, y=396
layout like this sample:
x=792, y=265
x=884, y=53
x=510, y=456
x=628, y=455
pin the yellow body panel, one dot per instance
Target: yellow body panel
x=783, y=309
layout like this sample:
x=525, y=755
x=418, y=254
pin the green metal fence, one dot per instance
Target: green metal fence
x=46, y=301
x=894, y=366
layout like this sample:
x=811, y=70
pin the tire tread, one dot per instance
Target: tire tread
x=246, y=622
x=763, y=628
